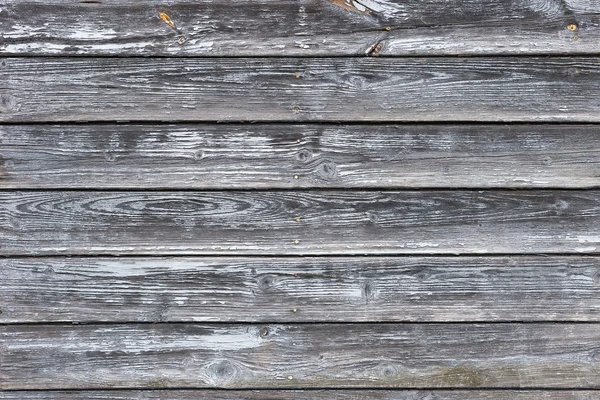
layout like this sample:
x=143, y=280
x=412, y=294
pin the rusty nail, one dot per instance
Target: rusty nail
x=572, y=27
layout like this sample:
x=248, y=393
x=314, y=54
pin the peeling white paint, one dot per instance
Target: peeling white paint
x=585, y=249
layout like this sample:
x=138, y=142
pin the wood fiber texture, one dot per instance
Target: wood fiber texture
x=268, y=156
x=162, y=356
x=304, y=395
x=356, y=289
x=299, y=199
x=442, y=89
x=299, y=28
x=299, y=222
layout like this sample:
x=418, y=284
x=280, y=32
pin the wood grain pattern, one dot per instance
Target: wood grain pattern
x=248, y=307
x=250, y=156
x=300, y=89
x=304, y=395
x=301, y=356
x=310, y=222
x=319, y=289
x=299, y=28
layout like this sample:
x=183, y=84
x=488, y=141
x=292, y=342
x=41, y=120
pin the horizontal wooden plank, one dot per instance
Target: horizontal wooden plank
x=304, y=395
x=232, y=156
x=305, y=27
x=301, y=356
x=300, y=89
x=300, y=223
x=319, y=289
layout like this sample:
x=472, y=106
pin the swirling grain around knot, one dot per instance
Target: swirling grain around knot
x=312, y=222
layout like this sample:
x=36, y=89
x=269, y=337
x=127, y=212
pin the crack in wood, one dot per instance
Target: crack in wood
x=375, y=49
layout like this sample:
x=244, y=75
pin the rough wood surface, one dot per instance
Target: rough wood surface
x=300, y=89
x=305, y=395
x=434, y=322
x=319, y=289
x=301, y=356
x=308, y=222
x=305, y=28
x=248, y=156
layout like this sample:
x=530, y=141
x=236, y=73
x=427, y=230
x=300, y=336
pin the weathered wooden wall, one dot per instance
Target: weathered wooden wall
x=261, y=289
x=299, y=27
x=269, y=156
x=304, y=395
x=563, y=89
x=300, y=199
x=301, y=356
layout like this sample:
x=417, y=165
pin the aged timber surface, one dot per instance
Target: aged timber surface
x=355, y=289
x=300, y=89
x=299, y=28
x=304, y=395
x=353, y=232
x=249, y=156
x=307, y=222
x=301, y=356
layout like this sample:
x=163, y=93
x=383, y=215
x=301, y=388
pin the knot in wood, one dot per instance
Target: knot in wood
x=304, y=156
x=266, y=282
x=327, y=170
x=8, y=102
x=223, y=372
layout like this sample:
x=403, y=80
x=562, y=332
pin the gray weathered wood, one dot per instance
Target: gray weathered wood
x=301, y=356
x=306, y=27
x=231, y=156
x=305, y=395
x=300, y=89
x=320, y=289
x=309, y=222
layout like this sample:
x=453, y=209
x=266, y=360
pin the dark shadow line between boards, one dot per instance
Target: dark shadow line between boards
x=355, y=55
x=299, y=122
x=240, y=323
x=300, y=189
x=309, y=389
x=299, y=256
